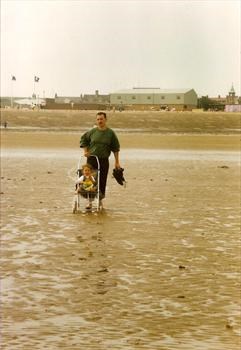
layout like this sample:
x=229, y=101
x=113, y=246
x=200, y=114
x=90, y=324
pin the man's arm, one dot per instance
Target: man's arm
x=117, y=162
x=86, y=151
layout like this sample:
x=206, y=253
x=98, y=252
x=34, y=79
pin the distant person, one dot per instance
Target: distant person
x=100, y=141
x=5, y=124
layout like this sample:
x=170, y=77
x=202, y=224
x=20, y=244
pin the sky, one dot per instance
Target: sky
x=79, y=46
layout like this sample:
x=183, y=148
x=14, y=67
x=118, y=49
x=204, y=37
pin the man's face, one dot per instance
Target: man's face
x=100, y=120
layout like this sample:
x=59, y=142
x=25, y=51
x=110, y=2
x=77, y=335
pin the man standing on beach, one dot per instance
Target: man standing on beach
x=101, y=141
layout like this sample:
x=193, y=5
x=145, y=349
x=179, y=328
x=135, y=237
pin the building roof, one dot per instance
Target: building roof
x=67, y=99
x=232, y=90
x=145, y=90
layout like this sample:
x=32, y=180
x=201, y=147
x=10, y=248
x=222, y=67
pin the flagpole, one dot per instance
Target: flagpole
x=12, y=80
x=11, y=93
x=36, y=80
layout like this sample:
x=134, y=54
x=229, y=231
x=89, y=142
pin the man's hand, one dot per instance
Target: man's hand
x=86, y=153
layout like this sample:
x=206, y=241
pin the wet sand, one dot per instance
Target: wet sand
x=63, y=140
x=158, y=269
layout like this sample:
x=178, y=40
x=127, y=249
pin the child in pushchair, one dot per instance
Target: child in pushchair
x=86, y=184
x=87, y=187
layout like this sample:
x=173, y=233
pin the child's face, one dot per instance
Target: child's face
x=87, y=171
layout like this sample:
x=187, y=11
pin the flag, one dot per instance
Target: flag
x=36, y=79
x=13, y=77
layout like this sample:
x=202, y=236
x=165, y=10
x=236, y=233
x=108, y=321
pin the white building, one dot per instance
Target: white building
x=154, y=98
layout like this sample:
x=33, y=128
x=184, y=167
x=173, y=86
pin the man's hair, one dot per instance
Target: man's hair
x=102, y=113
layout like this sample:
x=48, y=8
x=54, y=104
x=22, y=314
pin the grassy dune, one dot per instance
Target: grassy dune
x=161, y=122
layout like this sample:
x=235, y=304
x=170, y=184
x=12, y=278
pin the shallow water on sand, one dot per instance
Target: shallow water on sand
x=128, y=154
x=159, y=268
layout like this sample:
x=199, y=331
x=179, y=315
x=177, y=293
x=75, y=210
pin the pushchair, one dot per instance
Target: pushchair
x=90, y=195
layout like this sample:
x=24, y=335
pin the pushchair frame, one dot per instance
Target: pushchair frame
x=79, y=198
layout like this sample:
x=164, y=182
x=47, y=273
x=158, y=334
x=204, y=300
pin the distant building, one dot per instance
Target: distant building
x=82, y=102
x=22, y=102
x=30, y=102
x=91, y=98
x=154, y=98
x=231, y=98
x=5, y=102
x=233, y=102
x=219, y=100
x=223, y=103
x=97, y=98
x=233, y=108
x=67, y=100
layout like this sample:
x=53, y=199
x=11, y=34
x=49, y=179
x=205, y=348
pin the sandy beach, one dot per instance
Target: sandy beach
x=157, y=269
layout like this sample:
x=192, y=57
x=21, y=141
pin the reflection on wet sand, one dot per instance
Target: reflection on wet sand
x=157, y=269
x=128, y=154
